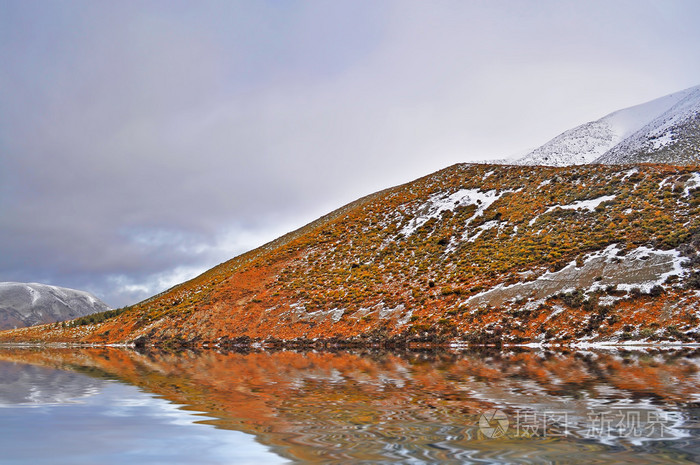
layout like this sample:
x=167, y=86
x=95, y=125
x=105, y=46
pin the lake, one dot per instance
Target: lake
x=113, y=406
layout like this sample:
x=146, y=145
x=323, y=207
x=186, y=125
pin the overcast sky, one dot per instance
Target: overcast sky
x=142, y=142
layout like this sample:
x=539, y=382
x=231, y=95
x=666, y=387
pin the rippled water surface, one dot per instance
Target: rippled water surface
x=53, y=417
x=120, y=406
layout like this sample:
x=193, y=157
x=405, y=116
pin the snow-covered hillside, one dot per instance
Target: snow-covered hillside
x=31, y=304
x=663, y=130
x=672, y=137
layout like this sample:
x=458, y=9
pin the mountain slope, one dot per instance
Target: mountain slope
x=476, y=253
x=673, y=137
x=664, y=130
x=32, y=304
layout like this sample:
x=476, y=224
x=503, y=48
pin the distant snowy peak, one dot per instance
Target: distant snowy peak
x=577, y=146
x=650, y=126
x=672, y=137
x=28, y=304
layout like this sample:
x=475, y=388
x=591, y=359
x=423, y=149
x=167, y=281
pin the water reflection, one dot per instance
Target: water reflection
x=54, y=417
x=474, y=407
x=34, y=386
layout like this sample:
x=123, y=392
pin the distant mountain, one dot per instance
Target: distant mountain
x=665, y=130
x=33, y=304
x=472, y=253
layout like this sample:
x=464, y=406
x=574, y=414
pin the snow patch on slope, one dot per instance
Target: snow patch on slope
x=486, y=226
x=692, y=183
x=641, y=268
x=441, y=202
x=590, y=204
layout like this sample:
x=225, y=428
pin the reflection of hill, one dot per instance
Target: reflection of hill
x=57, y=386
x=375, y=407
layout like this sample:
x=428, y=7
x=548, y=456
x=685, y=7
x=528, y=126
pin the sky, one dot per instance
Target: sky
x=143, y=142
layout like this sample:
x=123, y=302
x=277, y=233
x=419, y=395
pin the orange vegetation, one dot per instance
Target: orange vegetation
x=395, y=266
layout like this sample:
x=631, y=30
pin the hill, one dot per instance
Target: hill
x=472, y=253
x=33, y=304
x=665, y=130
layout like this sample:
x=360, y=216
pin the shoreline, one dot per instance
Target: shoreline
x=322, y=346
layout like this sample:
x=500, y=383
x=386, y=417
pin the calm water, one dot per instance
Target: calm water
x=104, y=406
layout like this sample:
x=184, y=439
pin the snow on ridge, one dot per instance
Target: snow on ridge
x=593, y=141
x=441, y=202
x=34, y=303
x=35, y=295
x=576, y=146
x=659, y=132
x=630, y=120
x=37, y=291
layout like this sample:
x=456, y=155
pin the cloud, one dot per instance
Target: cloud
x=140, y=144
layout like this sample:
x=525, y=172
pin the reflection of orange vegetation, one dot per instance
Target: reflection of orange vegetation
x=355, y=274
x=569, y=371
x=302, y=403
x=649, y=376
